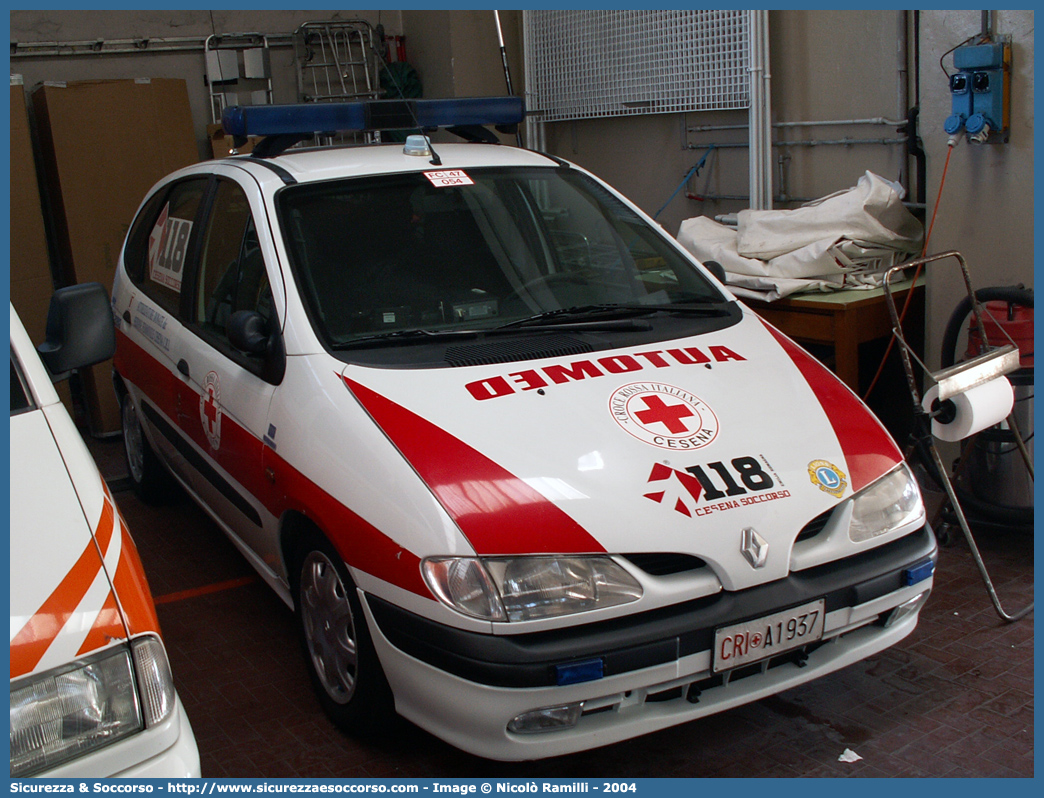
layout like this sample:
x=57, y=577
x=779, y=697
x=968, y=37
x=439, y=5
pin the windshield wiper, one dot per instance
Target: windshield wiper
x=606, y=317
x=608, y=311
x=399, y=336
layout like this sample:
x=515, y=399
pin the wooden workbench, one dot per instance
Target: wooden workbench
x=844, y=320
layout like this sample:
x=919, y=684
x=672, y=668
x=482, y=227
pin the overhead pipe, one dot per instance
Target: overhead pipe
x=798, y=143
x=98, y=47
x=876, y=120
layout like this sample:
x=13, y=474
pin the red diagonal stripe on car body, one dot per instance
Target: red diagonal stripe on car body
x=362, y=545
x=868, y=448
x=497, y=511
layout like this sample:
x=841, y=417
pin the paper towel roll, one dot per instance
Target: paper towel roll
x=981, y=407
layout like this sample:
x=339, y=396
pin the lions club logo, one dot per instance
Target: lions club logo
x=828, y=477
x=664, y=415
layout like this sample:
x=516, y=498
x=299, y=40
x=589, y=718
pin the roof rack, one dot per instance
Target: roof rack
x=286, y=125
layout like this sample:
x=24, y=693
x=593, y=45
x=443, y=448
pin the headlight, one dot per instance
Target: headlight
x=891, y=502
x=527, y=588
x=80, y=707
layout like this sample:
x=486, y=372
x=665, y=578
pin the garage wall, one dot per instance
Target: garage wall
x=34, y=26
x=831, y=65
x=457, y=53
x=825, y=66
x=986, y=210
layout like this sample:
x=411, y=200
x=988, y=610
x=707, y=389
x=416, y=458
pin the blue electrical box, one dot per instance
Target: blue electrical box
x=980, y=92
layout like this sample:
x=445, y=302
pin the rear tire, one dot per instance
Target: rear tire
x=151, y=480
x=342, y=662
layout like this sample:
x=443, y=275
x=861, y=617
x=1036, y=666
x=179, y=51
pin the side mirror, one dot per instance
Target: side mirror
x=248, y=332
x=716, y=269
x=80, y=330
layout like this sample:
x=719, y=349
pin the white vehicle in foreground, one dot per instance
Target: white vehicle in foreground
x=528, y=473
x=91, y=690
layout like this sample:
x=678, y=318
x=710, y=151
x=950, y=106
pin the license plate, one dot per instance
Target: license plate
x=751, y=641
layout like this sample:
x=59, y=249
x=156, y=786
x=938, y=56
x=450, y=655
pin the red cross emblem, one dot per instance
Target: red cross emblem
x=659, y=412
x=664, y=415
x=210, y=409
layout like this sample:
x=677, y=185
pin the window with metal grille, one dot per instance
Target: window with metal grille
x=587, y=64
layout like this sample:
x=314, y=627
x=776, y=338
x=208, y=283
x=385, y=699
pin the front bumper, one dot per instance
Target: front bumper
x=466, y=687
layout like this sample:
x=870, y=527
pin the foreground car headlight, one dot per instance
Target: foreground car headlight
x=891, y=502
x=77, y=708
x=528, y=588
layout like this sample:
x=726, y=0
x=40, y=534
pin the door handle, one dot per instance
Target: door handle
x=183, y=367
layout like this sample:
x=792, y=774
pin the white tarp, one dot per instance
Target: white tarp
x=845, y=240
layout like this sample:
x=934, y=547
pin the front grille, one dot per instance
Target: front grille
x=663, y=564
x=815, y=526
x=515, y=349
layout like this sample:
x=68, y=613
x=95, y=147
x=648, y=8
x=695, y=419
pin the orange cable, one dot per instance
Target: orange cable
x=917, y=274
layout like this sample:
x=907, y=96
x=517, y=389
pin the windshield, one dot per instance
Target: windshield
x=401, y=255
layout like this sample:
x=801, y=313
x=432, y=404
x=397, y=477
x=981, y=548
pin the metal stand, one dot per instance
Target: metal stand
x=953, y=381
x=239, y=67
x=336, y=61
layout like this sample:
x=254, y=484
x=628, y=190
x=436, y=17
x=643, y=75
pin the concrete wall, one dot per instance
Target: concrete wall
x=457, y=53
x=69, y=26
x=986, y=209
x=825, y=65
x=831, y=65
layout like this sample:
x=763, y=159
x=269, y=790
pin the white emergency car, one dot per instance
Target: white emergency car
x=91, y=690
x=528, y=473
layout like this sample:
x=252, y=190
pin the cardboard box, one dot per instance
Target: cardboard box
x=103, y=145
x=31, y=281
x=221, y=145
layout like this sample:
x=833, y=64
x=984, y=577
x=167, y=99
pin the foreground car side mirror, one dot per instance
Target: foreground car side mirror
x=80, y=330
x=248, y=332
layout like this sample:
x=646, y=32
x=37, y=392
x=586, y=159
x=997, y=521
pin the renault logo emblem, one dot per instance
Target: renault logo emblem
x=754, y=547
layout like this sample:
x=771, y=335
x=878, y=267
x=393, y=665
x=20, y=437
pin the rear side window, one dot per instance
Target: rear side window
x=158, y=244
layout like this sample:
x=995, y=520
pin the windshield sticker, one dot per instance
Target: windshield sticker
x=449, y=177
x=168, y=244
x=664, y=415
x=535, y=379
x=828, y=477
x=702, y=490
x=210, y=408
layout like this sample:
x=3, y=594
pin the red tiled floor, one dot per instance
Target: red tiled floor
x=954, y=699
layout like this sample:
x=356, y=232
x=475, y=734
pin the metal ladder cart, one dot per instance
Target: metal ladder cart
x=337, y=61
x=239, y=71
x=953, y=381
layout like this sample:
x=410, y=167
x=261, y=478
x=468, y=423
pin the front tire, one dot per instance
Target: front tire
x=342, y=662
x=151, y=480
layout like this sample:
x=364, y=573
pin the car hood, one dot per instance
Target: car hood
x=676, y=448
x=62, y=601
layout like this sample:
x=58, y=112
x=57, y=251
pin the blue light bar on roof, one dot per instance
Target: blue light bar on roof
x=306, y=118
